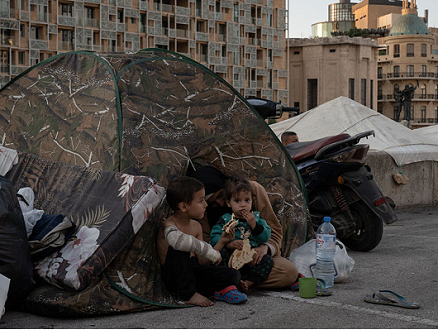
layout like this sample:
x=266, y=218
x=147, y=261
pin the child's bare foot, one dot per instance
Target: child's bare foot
x=243, y=286
x=199, y=300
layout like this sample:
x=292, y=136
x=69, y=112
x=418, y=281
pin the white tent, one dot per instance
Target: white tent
x=430, y=132
x=343, y=115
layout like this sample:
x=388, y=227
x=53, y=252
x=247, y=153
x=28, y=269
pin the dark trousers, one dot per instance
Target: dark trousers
x=256, y=274
x=184, y=276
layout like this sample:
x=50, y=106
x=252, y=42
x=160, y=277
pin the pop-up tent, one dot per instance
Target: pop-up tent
x=343, y=115
x=153, y=113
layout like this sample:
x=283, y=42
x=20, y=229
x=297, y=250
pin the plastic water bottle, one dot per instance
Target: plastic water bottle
x=325, y=252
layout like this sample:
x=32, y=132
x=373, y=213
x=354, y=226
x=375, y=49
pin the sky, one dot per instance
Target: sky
x=304, y=13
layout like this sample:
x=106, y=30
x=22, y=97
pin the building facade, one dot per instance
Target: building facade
x=241, y=41
x=367, y=12
x=409, y=56
x=340, y=20
x=323, y=69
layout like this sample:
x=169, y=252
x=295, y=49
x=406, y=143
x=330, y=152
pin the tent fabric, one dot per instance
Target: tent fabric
x=343, y=115
x=155, y=114
x=429, y=132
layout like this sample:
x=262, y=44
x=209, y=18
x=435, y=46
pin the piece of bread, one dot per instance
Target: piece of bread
x=230, y=224
x=239, y=258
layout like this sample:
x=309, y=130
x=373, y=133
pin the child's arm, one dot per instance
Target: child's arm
x=188, y=243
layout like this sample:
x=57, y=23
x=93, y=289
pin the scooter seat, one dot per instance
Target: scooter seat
x=303, y=150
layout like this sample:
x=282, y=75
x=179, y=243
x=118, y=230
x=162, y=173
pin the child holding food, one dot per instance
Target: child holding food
x=188, y=264
x=250, y=231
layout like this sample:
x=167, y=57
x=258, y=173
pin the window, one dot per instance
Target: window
x=363, y=91
x=351, y=88
x=436, y=92
x=22, y=30
x=395, y=112
x=120, y=16
x=21, y=58
x=436, y=114
x=379, y=72
x=423, y=91
x=90, y=12
x=423, y=114
x=332, y=50
x=410, y=50
x=396, y=88
x=380, y=92
x=236, y=13
x=312, y=93
x=396, y=50
x=203, y=53
x=396, y=71
x=269, y=55
x=371, y=93
x=379, y=109
x=423, y=71
x=423, y=50
x=236, y=58
x=66, y=10
x=268, y=19
x=67, y=35
x=409, y=70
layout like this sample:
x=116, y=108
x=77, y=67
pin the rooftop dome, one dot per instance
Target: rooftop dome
x=409, y=24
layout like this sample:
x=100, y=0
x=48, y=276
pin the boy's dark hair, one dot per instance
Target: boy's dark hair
x=233, y=185
x=286, y=135
x=181, y=190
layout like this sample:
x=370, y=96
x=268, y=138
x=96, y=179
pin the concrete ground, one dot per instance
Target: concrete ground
x=405, y=261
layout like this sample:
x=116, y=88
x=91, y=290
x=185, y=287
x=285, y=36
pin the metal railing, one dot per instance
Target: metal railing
x=390, y=97
x=396, y=75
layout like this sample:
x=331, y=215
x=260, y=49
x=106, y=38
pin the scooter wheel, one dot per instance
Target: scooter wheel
x=369, y=229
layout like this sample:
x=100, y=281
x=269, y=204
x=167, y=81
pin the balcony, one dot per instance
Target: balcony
x=182, y=33
x=4, y=68
x=8, y=41
x=92, y=22
x=167, y=8
x=66, y=45
x=398, y=75
x=42, y=17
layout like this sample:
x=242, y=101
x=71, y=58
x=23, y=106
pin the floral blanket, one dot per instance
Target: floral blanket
x=108, y=209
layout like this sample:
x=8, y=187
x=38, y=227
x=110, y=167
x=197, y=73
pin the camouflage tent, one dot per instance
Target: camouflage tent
x=153, y=113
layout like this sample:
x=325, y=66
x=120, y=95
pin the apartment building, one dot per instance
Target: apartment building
x=409, y=56
x=241, y=41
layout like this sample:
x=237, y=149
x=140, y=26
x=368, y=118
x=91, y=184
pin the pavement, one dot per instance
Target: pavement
x=405, y=262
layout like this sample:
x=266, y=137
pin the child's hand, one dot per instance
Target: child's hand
x=227, y=237
x=237, y=244
x=218, y=262
x=250, y=218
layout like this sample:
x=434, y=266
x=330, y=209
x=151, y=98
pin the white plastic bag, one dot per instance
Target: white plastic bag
x=26, y=197
x=304, y=258
x=4, y=288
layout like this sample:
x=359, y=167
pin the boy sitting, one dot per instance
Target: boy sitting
x=188, y=264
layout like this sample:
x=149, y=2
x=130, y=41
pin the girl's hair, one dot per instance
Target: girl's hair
x=182, y=189
x=234, y=185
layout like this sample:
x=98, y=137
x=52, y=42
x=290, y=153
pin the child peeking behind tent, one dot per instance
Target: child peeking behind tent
x=250, y=230
x=188, y=264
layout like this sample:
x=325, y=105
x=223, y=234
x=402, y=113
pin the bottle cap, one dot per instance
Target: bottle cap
x=327, y=219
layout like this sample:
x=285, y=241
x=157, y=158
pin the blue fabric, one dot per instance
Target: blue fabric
x=45, y=225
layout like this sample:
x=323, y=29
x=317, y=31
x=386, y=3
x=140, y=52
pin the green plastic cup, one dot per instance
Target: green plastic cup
x=307, y=287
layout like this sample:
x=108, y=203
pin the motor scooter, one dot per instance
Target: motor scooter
x=340, y=185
